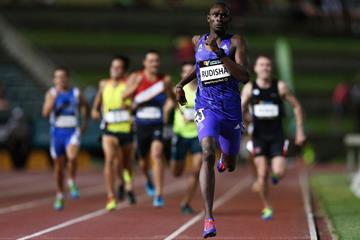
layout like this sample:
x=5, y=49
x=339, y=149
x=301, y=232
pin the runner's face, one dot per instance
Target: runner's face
x=117, y=69
x=263, y=68
x=152, y=63
x=61, y=79
x=219, y=18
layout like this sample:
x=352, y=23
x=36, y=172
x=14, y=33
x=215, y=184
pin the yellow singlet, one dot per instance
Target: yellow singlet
x=116, y=118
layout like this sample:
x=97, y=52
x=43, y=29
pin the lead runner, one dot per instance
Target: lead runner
x=221, y=65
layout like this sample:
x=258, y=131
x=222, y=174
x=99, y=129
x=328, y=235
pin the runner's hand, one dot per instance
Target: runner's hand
x=211, y=43
x=300, y=138
x=95, y=114
x=180, y=95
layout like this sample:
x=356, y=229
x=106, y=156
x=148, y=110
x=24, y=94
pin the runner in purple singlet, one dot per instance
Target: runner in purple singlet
x=221, y=65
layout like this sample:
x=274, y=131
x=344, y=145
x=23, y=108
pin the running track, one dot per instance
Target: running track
x=26, y=210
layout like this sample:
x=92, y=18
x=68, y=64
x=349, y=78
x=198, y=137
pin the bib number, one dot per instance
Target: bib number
x=266, y=111
x=199, y=116
x=189, y=114
x=213, y=72
x=117, y=116
x=66, y=121
x=151, y=113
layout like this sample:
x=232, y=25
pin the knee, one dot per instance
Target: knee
x=208, y=154
x=280, y=173
x=262, y=175
x=157, y=152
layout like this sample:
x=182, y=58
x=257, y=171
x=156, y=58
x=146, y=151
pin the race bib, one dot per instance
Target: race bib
x=117, y=116
x=66, y=121
x=199, y=116
x=213, y=72
x=268, y=110
x=152, y=113
x=189, y=114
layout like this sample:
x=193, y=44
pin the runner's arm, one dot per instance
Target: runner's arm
x=48, y=104
x=132, y=84
x=84, y=112
x=95, y=110
x=286, y=93
x=237, y=68
x=170, y=101
x=179, y=92
x=245, y=101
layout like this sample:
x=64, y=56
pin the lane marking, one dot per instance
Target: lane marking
x=304, y=183
x=218, y=202
x=169, y=189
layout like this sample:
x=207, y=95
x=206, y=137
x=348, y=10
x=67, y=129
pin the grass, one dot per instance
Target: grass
x=98, y=40
x=320, y=82
x=306, y=43
x=326, y=126
x=341, y=206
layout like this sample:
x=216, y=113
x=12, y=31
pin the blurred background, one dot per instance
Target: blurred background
x=315, y=46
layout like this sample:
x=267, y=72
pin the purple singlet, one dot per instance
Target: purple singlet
x=217, y=103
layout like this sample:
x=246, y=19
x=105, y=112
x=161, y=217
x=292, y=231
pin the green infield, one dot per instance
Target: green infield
x=341, y=206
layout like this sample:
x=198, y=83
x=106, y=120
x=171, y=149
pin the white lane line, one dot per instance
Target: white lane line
x=304, y=183
x=169, y=189
x=219, y=202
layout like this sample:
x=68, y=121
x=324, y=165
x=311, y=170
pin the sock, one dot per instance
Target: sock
x=71, y=182
x=127, y=176
x=59, y=195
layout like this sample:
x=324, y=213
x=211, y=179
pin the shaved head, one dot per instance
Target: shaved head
x=220, y=4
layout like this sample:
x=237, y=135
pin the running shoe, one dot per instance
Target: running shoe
x=150, y=190
x=267, y=214
x=220, y=165
x=131, y=197
x=111, y=204
x=120, y=192
x=58, y=204
x=158, y=202
x=274, y=179
x=209, y=228
x=186, y=209
x=74, y=191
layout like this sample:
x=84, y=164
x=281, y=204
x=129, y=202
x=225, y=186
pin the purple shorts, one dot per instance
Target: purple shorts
x=226, y=132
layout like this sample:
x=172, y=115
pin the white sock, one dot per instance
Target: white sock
x=71, y=182
x=59, y=195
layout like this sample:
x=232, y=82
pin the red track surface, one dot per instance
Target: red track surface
x=237, y=218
